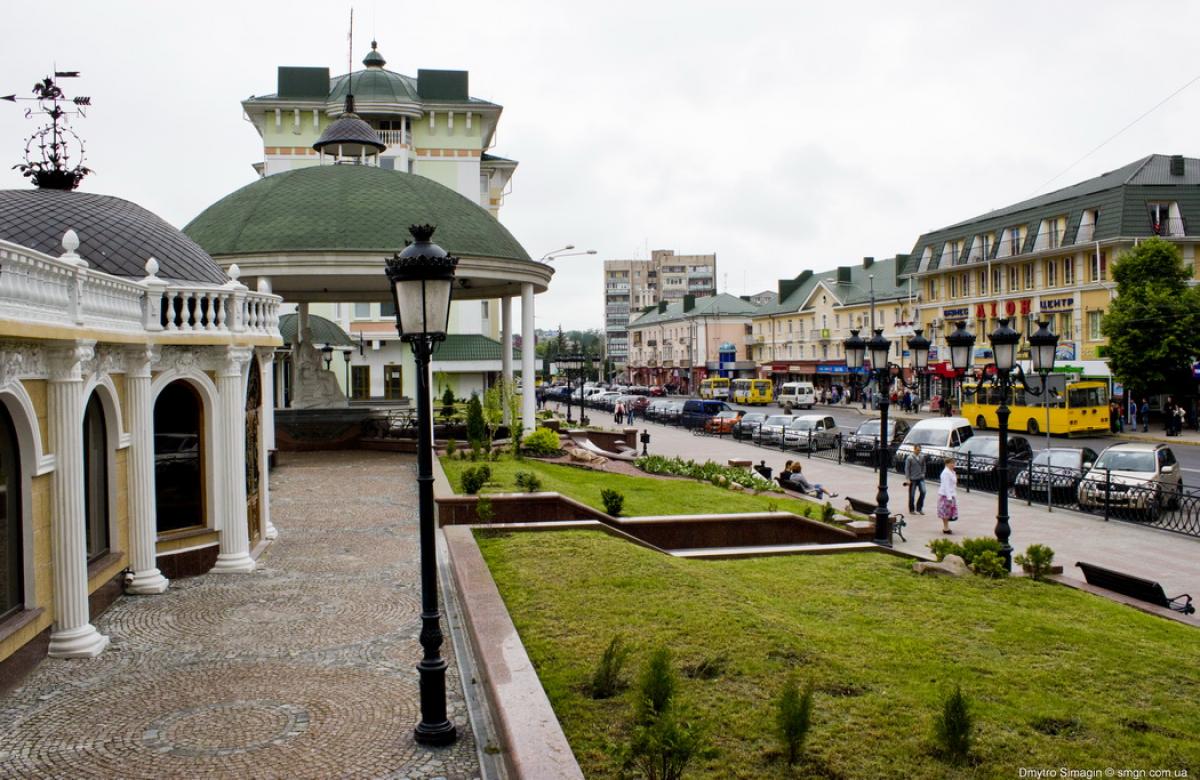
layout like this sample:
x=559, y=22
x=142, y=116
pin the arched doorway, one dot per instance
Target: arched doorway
x=12, y=570
x=253, y=407
x=179, y=457
x=95, y=478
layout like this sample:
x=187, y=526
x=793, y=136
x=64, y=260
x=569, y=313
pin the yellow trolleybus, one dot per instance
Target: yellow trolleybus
x=1066, y=408
x=752, y=392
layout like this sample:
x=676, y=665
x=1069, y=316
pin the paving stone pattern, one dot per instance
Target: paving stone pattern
x=303, y=669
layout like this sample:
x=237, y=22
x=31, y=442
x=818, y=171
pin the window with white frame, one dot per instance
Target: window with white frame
x=1051, y=273
x=1098, y=264
x=1068, y=270
x=1094, y=320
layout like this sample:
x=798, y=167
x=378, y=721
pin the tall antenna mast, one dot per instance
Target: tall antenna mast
x=350, y=65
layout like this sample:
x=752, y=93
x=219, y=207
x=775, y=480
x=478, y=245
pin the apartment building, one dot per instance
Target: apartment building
x=632, y=285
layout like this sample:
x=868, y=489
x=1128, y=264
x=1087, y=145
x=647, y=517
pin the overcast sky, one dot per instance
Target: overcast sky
x=782, y=136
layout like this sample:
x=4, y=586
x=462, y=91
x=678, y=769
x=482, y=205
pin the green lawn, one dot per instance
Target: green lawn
x=1057, y=677
x=643, y=495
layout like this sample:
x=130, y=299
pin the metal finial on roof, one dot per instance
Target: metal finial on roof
x=53, y=142
x=374, y=59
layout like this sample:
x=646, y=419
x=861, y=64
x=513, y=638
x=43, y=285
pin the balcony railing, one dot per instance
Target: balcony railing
x=395, y=137
x=1168, y=227
x=56, y=291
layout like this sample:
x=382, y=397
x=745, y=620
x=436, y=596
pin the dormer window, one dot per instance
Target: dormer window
x=1165, y=219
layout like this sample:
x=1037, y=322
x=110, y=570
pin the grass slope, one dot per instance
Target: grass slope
x=1057, y=677
x=643, y=495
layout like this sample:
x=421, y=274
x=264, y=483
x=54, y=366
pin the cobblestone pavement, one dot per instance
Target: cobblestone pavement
x=303, y=669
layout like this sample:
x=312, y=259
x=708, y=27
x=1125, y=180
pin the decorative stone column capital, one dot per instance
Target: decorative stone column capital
x=65, y=364
x=234, y=360
x=140, y=360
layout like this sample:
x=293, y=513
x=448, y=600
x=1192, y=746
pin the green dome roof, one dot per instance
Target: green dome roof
x=347, y=208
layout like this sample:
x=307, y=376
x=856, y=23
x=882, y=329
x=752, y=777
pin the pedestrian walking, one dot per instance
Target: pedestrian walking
x=914, y=471
x=947, y=407
x=1144, y=415
x=948, y=496
x=619, y=413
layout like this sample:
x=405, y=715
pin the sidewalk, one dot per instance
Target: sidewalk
x=1170, y=558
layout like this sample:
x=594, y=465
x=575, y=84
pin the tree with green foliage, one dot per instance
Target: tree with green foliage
x=1153, y=326
x=476, y=427
x=448, y=403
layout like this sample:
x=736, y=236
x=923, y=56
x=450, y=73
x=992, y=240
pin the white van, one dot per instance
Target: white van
x=797, y=394
x=938, y=437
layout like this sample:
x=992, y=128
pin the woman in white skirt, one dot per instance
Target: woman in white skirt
x=947, y=506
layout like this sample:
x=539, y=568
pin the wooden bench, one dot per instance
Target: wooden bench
x=740, y=463
x=868, y=508
x=1134, y=587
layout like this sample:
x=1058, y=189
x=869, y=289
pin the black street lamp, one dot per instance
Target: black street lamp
x=1004, y=339
x=422, y=278
x=572, y=365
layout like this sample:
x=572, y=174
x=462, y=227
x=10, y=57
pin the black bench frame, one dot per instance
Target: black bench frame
x=1134, y=587
x=868, y=508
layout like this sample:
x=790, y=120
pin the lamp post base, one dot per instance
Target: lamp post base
x=435, y=735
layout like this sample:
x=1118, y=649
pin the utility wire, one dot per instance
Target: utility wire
x=1106, y=141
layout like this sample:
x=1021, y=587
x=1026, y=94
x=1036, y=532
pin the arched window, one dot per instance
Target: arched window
x=12, y=570
x=178, y=457
x=95, y=478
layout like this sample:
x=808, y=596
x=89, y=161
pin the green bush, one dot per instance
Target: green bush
x=474, y=478
x=663, y=742
x=989, y=564
x=827, y=512
x=448, y=402
x=952, y=728
x=484, y=511
x=1037, y=560
x=973, y=548
x=476, y=427
x=451, y=447
x=613, y=500
x=528, y=482
x=542, y=441
x=943, y=547
x=606, y=681
x=793, y=717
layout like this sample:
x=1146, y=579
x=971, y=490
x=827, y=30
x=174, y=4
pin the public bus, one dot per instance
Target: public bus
x=752, y=392
x=716, y=388
x=1066, y=408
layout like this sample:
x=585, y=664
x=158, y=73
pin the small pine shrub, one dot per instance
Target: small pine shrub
x=656, y=686
x=542, y=441
x=827, y=512
x=448, y=403
x=663, y=741
x=793, y=717
x=451, y=447
x=606, y=680
x=772, y=506
x=476, y=426
x=973, y=548
x=943, y=547
x=989, y=564
x=475, y=477
x=952, y=728
x=613, y=500
x=1037, y=560
x=528, y=482
x=484, y=511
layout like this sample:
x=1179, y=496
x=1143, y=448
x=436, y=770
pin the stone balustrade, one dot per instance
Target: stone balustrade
x=45, y=290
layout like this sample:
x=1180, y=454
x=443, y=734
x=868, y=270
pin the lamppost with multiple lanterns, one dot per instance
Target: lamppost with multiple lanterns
x=1006, y=374
x=856, y=349
x=572, y=364
x=422, y=278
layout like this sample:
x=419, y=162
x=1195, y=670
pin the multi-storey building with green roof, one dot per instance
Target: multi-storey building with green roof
x=799, y=336
x=681, y=342
x=1052, y=255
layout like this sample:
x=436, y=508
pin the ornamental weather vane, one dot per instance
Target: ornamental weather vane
x=53, y=142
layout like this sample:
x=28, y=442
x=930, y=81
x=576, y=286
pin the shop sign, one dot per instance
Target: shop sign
x=1057, y=304
x=1009, y=308
x=983, y=353
x=840, y=368
x=1065, y=351
x=957, y=313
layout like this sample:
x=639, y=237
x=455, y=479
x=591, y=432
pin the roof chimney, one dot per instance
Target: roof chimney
x=868, y=262
x=1177, y=165
x=689, y=302
x=843, y=274
x=662, y=307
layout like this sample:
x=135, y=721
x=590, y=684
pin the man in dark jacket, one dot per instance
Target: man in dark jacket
x=914, y=472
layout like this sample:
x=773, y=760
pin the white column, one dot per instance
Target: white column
x=506, y=345
x=73, y=635
x=231, y=461
x=266, y=362
x=143, y=513
x=528, y=408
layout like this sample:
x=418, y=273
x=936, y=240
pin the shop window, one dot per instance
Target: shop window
x=360, y=382
x=12, y=568
x=95, y=479
x=393, y=381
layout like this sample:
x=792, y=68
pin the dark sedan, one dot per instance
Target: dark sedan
x=864, y=440
x=978, y=457
x=1059, y=469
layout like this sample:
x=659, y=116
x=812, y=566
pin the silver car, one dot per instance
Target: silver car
x=1142, y=477
x=810, y=431
x=772, y=429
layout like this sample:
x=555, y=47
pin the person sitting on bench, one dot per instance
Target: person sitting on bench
x=796, y=480
x=763, y=470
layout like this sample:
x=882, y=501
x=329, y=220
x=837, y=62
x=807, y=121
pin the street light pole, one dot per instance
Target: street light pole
x=880, y=349
x=422, y=278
